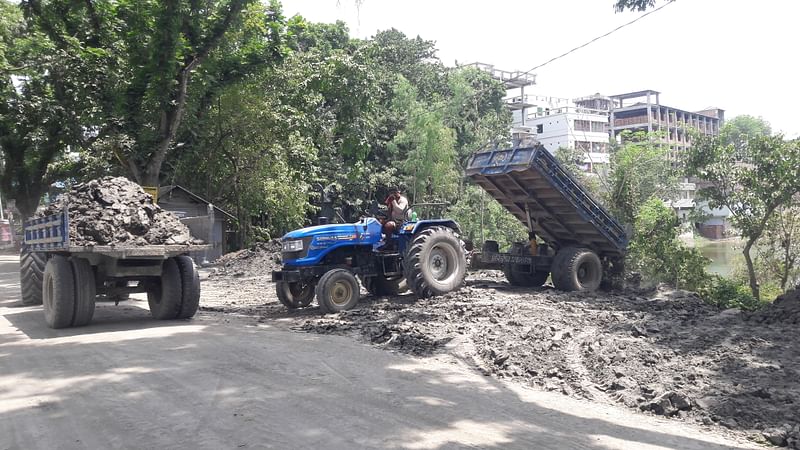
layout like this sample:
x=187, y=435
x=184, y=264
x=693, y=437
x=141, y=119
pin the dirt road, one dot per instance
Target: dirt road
x=127, y=381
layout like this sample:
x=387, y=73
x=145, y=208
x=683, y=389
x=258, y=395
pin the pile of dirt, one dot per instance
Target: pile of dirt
x=662, y=351
x=785, y=309
x=257, y=260
x=116, y=211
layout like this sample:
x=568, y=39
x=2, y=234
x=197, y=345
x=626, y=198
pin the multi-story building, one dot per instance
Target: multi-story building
x=643, y=111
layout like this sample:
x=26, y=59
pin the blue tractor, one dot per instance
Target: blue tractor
x=327, y=261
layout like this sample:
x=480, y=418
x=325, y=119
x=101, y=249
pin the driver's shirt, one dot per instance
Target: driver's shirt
x=398, y=208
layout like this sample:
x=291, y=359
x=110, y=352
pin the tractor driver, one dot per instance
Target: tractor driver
x=397, y=205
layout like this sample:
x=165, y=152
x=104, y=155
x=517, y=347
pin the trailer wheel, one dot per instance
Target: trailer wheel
x=85, y=291
x=58, y=292
x=190, y=287
x=31, y=273
x=577, y=269
x=435, y=262
x=517, y=277
x=164, y=297
x=295, y=295
x=337, y=290
x=379, y=285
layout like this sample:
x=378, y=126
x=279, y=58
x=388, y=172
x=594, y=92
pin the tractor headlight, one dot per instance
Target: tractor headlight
x=292, y=246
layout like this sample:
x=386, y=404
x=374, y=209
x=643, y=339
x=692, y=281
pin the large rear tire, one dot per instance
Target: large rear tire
x=435, y=262
x=190, y=287
x=295, y=295
x=165, y=297
x=31, y=274
x=520, y=277
x=337, y=290
x=577, y=269
x=58, y=292
x=85, y=291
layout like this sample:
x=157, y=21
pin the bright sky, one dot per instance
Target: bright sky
x=738, y=55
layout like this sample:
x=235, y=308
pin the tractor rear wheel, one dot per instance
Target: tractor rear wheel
x=295, y=295
x=577, y=269
x=337, y=290
x=435, y=262
x=31, y=273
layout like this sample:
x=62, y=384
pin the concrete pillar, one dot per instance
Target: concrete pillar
x=649, y=115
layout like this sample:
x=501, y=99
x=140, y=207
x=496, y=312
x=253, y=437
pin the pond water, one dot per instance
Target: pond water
x=724, y=255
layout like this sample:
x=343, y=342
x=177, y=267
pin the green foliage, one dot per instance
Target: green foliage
x=658, y=255
x=740, y=129
x=639, y=171
x=754, y=190
x=482, y=218
x=779, y=249
x=729, y=293
x=428, y=147
x=634, y=5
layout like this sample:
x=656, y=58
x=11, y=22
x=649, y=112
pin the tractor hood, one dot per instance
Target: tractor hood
x=339, y=230
x=318, y=241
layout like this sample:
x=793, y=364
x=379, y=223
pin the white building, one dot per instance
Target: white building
x=558, y=122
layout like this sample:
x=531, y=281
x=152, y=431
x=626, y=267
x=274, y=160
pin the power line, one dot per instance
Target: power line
x=592, y=41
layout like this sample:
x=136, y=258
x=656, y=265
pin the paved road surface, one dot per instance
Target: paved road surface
x=127, y=381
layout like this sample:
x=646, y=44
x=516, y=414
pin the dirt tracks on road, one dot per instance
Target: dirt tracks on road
x=663, y=351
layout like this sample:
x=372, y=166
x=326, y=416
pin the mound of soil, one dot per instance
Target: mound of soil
x=785, y=309
x=116, y=211
x=260, y=259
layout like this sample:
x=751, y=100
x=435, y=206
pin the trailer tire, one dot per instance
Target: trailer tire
x=295, y=295
x=337, y=290
x=379, y=285
x=31, y=274
x=85, y=291
x=517, y=277
x=577, y=269
x=190, y=287
x=164, y=297
x=58, y=292
x=435, y=262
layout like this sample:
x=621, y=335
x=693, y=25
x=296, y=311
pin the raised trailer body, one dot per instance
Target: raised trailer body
x=52, y=264
x=531, y=184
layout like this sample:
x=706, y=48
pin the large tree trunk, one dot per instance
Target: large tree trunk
x=751, y=273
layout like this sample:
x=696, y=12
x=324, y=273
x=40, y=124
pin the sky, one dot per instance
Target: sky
x=738, y=55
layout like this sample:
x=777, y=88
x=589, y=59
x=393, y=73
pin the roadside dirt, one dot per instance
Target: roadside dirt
x=663, y=352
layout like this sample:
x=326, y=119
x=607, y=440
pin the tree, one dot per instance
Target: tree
x=635, y=5
x=428, y=146
x=640, y=170
x=780, y=249
x=752, y=191
x=656, y=252
x=740, y=129
x=144, y=55
x=42, y=109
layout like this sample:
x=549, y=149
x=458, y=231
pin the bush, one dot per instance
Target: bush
x=659, y=256
x=727, y=293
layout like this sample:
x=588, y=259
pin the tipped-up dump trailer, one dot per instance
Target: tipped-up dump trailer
x=69, y=278
x=583, y=247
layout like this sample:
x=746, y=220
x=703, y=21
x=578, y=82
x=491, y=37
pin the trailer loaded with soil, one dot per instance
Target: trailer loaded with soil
x=105, y=240
x=572, y=238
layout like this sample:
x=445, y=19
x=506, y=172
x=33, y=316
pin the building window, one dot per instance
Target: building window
x=582, y=125
x=540, y=128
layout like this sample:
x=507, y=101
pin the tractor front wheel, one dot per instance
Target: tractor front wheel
x=337, y=290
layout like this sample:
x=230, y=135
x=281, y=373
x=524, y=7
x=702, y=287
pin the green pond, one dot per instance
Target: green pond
x=724, y=255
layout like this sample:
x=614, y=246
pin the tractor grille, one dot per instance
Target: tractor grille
x=297, y=255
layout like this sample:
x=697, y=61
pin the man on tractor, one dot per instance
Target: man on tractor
x=397, y=206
